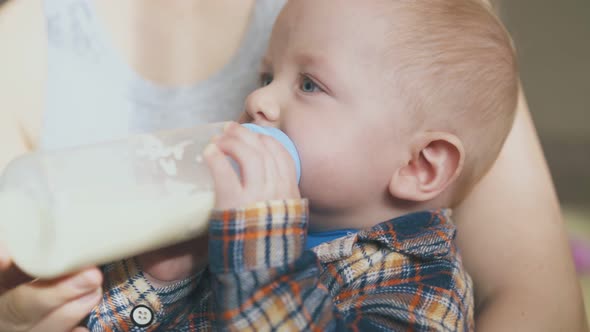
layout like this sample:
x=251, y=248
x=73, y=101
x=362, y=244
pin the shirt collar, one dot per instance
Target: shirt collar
x=425, y=234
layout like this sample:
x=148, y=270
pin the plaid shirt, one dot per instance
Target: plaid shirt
x=402, y=274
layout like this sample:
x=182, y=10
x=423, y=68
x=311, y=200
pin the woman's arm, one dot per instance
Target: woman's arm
x=514, y=242
x=56, y=305
x=22, y=78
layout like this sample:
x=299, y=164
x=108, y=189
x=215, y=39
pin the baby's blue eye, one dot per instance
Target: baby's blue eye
x=309, y=86
x=265, y=79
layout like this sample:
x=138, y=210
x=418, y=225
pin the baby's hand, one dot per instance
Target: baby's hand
x=267, y=170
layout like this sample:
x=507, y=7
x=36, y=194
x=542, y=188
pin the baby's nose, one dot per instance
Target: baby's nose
x=263, y=108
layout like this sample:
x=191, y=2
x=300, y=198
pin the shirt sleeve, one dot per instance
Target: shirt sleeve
x=262, y=279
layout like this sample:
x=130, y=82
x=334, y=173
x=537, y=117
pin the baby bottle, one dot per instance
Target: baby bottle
x=67, y=209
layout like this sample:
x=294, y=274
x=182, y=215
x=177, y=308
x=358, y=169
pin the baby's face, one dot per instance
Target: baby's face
x=323, y=83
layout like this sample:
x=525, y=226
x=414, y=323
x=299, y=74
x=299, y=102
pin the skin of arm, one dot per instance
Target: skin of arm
x=514, y=243
x=22, y=82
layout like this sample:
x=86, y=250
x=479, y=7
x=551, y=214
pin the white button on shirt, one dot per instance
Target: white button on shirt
x=142, y=316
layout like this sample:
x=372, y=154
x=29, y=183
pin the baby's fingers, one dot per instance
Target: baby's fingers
x=285, y=164
x=250, y=158
x=226, y=180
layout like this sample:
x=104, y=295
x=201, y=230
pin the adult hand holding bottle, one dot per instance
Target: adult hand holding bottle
x=57, y=305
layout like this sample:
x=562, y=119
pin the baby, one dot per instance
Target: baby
x=397, y=108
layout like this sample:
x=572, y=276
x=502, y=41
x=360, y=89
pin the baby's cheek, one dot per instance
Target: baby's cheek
x=325, y=164
x=326, y=184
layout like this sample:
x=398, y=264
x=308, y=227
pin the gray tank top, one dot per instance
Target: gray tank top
x=93, y=95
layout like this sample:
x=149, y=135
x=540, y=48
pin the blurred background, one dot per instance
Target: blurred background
x=553, y=41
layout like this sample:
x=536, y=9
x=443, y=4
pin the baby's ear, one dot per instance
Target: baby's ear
x=436, y=161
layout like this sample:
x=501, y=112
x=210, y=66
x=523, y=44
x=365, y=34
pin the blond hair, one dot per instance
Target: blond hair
x=455, y=68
